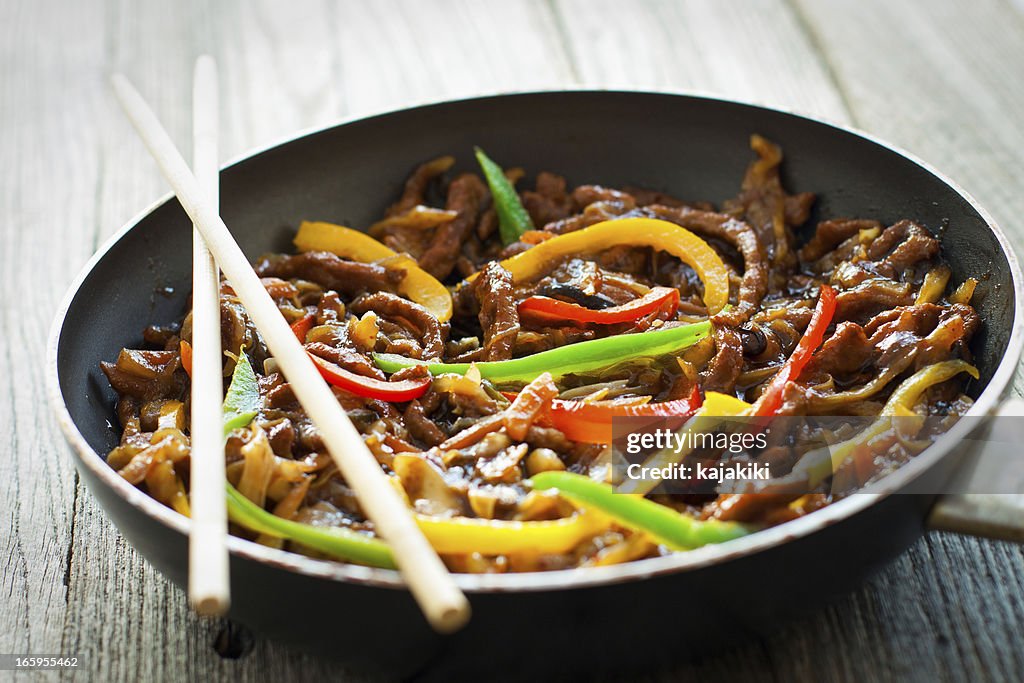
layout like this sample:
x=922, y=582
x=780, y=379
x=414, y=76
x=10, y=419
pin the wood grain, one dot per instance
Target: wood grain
x=43, y=138
x=944, y=79
x=754, y=51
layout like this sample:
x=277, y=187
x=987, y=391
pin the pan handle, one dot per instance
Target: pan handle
x=987, y=515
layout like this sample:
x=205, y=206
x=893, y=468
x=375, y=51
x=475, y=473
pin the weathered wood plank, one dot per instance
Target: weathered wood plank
x=43, y=97
x=396, y=53
x=754, y=51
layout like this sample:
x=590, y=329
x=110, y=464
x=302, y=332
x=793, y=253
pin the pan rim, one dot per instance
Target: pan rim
x=569, y=578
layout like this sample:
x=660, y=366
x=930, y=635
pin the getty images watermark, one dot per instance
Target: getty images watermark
x=666, y=440
x=832, y=454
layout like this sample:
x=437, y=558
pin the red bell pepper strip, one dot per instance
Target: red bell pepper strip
x=824, y=311
x=371, y=387
x=302, y=326
x=546, y=308
x=591, y=422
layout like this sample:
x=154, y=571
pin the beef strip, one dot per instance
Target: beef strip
x=844, y=353
x=645, y=197
x=725, y=366
x=585, y=195
x=346, y=358
x=416, y=185
x=421, y=426
x=466, y=195
x=549, y=201
x=763, y=200
x=597, y=203
x=145, y=375
x=830, y=234
x=870, y=298
x=738, y=234
x=499, y=317
x=903, y=245
x=430, y=333
x=332, y=272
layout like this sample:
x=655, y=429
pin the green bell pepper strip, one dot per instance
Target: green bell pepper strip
x=665, y=525
x=336, y=542
x=578, y=358
x=513, y=219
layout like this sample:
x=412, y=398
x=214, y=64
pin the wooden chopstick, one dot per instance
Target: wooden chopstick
x=443, y=604
x=209, y=588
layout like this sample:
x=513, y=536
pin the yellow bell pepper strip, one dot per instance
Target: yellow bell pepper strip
x=185, y=349
x=663, y=524
x=824, y=311
x=500, y=537
x=458, y=535
x=715, y=409
x=579, y=358
x=821, y=463
x=637, y=232
x=723, y=405
x=513, y=219
x=418, y=285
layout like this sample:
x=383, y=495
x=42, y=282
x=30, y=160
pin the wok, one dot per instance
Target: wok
x=625, y=617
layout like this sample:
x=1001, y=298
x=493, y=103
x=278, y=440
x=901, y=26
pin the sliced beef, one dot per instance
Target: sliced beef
x=739, y=235
x=844, y=353
x=415, y=188
x=724, y=367
x=421, y=426
x=830, y=234
x=331, y=272
x=499, y=317
x=870, y=298
x=466, y=195
x=549, y=201
x=430, y=333
x=646, y=197
x=763, y=201
x=349, y=359
x=903, y=245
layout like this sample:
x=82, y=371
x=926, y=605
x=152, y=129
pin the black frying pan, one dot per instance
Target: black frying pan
x=623, y=617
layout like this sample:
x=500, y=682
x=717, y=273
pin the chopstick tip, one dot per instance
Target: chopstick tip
x=210, y=605
x=451, y=618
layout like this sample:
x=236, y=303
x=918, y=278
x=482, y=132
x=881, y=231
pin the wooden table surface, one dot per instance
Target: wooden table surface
x=944, y=79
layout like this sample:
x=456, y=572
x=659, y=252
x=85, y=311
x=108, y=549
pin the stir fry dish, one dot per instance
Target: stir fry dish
x=483, y=338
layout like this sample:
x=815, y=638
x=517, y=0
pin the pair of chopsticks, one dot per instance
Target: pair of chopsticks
x=443, y=604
